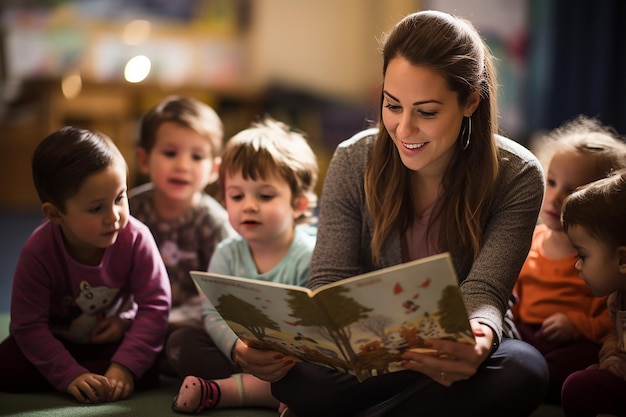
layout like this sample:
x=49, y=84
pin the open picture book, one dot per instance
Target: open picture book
x=360, y=325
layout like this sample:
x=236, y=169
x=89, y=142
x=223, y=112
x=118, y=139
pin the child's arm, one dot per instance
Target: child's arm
x=591, y=322
x=609, y=347
x=37, y=284
x=610, y=343
x=109, y=330
x=221, y=334
x=610, y=356
x=616, y=364
x=150, y=286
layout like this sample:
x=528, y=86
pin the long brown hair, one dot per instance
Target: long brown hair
x=452, y=47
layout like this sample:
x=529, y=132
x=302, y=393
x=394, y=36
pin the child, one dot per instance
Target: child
x=180, y=143
x=555, y=312
x=594, y=220
x=90, y=293
x=266, y=180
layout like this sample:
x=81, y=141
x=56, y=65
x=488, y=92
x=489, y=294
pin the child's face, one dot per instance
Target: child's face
x=261, y=211
x=95, y=215
x=181, y=163
x=567, y=170
x=598, y=265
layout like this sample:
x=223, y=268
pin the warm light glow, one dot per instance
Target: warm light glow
x=137, y=69
x=71, y=85
x=136, y=32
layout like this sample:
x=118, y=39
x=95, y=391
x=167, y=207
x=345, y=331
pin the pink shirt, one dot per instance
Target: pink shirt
x=418, y=246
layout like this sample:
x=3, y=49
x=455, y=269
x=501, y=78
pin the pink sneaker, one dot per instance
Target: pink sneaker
x=196, y=395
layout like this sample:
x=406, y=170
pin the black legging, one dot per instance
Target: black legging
x=511, y=383
x=191, y=351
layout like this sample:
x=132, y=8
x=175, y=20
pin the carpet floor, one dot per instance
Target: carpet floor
x=16, y=227
x=153, y=403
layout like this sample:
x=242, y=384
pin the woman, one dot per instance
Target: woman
x=433, y=177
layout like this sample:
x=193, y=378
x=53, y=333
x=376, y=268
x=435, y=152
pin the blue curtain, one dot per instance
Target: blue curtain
x=577, y=62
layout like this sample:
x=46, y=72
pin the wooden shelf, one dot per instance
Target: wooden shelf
x=113, y=109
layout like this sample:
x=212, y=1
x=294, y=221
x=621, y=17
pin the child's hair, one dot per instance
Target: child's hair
x=599, y=207
x=587, y=136
x=271, y=147
x=184, y=111
x=65, y=158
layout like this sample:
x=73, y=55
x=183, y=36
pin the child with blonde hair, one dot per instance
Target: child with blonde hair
x=594, y=220
x=267, y=179
x=555, y=312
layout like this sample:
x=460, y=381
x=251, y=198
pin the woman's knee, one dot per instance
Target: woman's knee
x=524, y=371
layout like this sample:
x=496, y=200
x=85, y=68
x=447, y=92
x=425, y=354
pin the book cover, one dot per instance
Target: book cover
x=360, y=325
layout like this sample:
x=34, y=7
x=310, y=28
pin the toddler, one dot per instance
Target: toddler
x=555, y=312
x=90, y=295
x=180, y=144
x=593, y=218
x=267, y=181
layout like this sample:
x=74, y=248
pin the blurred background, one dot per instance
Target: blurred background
x=314, y=64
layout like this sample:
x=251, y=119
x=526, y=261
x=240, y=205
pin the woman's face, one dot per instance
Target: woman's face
x=422, y=115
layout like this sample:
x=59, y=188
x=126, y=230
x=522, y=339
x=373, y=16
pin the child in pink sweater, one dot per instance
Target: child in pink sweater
x=91, y=296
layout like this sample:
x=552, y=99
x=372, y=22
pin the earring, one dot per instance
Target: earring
x=467, y=128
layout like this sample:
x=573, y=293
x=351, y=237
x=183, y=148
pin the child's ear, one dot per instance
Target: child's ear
x=300, y=206
x=143, y=159
x=215, y=171
x=621, y=253
x=51, y=212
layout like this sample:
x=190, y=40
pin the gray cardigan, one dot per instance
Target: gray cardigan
x=345, y=228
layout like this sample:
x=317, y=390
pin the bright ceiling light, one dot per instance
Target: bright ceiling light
x=137, y=69
x=71, y=84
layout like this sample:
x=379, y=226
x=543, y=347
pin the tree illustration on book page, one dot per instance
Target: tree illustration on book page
x=453, y=316
x=234, y=309
x=376, y=324
x=343, y=309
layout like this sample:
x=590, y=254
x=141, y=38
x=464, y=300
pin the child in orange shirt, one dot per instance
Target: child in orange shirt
x=555, y=311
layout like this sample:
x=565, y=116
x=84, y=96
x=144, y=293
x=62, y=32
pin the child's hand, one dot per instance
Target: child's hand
x=121, y=380
x=264, y=364
x=109, y=330
x=89, y=387
x=616, y=364
x=558, y=328
x=609, y=347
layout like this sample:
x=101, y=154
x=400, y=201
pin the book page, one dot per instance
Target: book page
x=260, y=313
x=379, y=315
